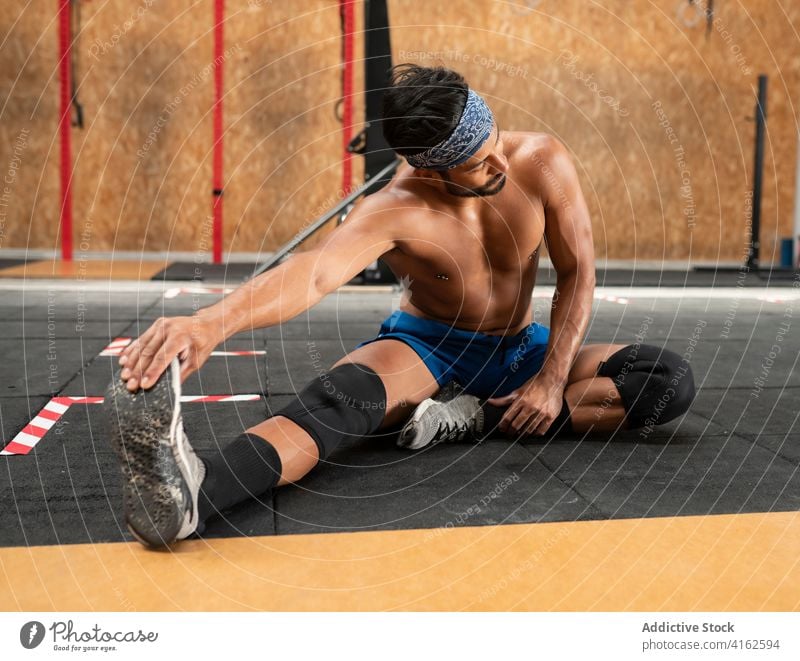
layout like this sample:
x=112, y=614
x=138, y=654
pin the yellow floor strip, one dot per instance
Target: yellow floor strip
x=747, y=562
x=87, y=270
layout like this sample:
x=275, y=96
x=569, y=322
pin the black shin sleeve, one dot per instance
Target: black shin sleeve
x=493, y=414
x=246, y=468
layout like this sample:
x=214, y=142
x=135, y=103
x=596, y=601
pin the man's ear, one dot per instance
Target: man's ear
x=427, y=174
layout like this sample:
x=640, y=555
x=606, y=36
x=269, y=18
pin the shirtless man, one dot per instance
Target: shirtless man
x=463, y=222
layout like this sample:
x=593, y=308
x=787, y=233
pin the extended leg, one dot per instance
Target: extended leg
x=347, y=401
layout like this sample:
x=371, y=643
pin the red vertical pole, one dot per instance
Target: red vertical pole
x=347, y=93
x=65, y=89
x=219, y=17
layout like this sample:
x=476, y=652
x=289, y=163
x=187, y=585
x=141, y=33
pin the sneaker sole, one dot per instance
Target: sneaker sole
x=153, y=468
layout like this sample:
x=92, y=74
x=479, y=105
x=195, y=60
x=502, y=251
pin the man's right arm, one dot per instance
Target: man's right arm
x=267, y=300
x=305, y=278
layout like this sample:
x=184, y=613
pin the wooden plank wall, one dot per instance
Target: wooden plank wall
x=655, y=112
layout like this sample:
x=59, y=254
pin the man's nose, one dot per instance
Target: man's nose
x=499, y=163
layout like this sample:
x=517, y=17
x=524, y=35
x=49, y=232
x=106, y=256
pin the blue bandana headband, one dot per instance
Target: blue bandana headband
x=473, y=129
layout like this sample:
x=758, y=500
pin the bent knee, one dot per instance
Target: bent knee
x=656, y=385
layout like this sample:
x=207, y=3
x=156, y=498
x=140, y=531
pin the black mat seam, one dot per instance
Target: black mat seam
x=601, y=514
x=32, y=395
x=605, y=516
x=472, y=525
x=754, y=441
x=78, y=373
x=66, y=383
x=32, y=412
x=273, y=495
x=726, y=388
x=125, y=332
x=274, y=501
x=793, y=464
x=145, y=311
x=45, y=337
x=270, y=393
x=97, y=355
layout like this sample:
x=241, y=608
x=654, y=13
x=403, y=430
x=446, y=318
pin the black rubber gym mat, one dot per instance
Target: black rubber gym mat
x=291, y=364
x=71, y=305
x=43, y=366
x=58, y=499
x=712, y=460
x=221, y=375
x=67, y=491
x=770, y=420
x=740, y=363
x=233, y=272
x=15, y=413
x=648, y=277
x=62, y=328
x=696, y=471
x=489, y=484
x=8, y=263
x=369, y=484
x=322, y=331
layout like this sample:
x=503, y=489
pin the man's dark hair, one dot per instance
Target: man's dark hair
x=421, y=107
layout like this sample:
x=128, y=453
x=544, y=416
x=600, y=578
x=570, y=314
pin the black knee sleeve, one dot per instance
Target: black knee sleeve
x=350, y=400
x=656, y=385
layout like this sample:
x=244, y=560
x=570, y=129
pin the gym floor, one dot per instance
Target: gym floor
x=679, y=517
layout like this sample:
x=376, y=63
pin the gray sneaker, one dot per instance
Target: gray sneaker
x=443, y=420
x=161, y=473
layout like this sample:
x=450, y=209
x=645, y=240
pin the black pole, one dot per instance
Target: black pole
x=380, y=161
x=377, y=153
x=377, y=62
x=367, y=188
x=758, y=173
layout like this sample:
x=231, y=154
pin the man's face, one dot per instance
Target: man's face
x=483, y=174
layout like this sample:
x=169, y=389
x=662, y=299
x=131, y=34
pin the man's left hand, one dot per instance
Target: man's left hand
x=531, y=408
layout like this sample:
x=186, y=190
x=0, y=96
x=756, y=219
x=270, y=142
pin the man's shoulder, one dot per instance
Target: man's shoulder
x=532, y=148
x=402, y=192
x=390, y=201
x=390, y=209
x=540, y=160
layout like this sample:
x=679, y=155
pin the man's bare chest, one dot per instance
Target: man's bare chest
x=497, y=237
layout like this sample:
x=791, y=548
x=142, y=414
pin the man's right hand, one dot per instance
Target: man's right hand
x=192, y=339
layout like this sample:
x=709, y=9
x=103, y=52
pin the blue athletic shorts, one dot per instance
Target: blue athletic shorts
x=484, y=365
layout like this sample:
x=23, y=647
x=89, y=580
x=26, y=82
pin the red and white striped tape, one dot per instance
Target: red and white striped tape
x=258, y=352
x=116, y=347
x=52, y=412
x=219, y=398
x=35, y=430
x=119, y=344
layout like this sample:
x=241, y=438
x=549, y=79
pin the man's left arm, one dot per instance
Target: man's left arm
x=568, y=233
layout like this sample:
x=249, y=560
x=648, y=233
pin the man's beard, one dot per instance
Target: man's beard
x=491, y=188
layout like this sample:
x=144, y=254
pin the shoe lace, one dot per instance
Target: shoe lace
x=455, y=427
